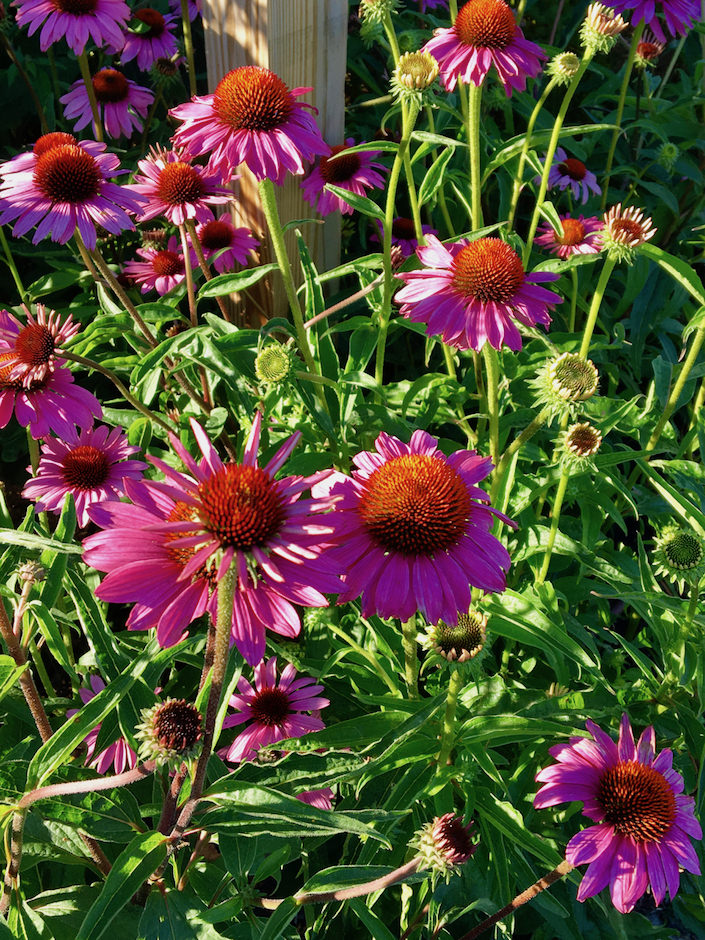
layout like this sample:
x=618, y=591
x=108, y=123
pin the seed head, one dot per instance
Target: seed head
x=31, y=572
x=579, y=445
x=444, y=844
x=169, y=732
x=679, y=555
x=461, y=642
x=600, y=28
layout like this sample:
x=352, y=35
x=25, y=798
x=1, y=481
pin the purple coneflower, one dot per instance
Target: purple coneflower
x=471, y=293
x=30, y=348
x=161, y=270
x=680, y=15
x=24, y=162
x=119, y=754
x=578, y=237
x=403, y=234
x=485, y=34
x=121, y=102
x=52, y=403
x=169, y=549
x=252, y=117
x=412, y=529
x=158, y=42
x=67, y=189
x=567, y=172
x=321, y=799
x=355, y=172
x=220, y=234
x=644, y=819
x=75, y=20
x=90, y=464
x=276, y=711
x=173, y=187
x=427, y=5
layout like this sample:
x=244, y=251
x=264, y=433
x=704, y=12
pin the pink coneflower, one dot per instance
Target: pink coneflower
x=121, y=102
x=413, y=530
x=169, y=549
x=161, y=270
x=158, y=42
x=578, y=237
x=403, y=234
x=567, y=172
x=220, y=234
x=471, y=293
x=65, y=190
x=321, y=799
x=648, y=49
x=644, y=819
x=173, y=187
x=252, y=117
x=26, y=162
x=75, y=20
x=52, y=403
x=119, y=754
x=485, y=34
x=90, y=464
x=354, y=172
x=29, y=348
x=276, y=711
x=680, y=15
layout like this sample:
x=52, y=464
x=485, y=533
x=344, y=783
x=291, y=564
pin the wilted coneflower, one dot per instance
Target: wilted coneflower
x=220, y=234
x=157, y=42
x=624, y=231
x=74, y=20
x=444, y=844
x=485, y=33
x=119, y=754
x=636, y=797
x=679, y=555
x=570, y=173
x=577, y=236
x=30, y=348
x=648, y=49
x=253, y=118
x=471, y=292
x=169, y=732
x=161, y=270
x=600, y=28
x=680, y=15
x=122, y=103
x=412, y=530
x=67, y=189
x=173, y=187
x=167, y=551
x=275, y=710
x=90, y=463
x=355, y=172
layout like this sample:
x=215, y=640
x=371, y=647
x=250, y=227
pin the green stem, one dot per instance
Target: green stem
x=573, y=300
x=516, y=444
x=411, y=661
x=41, y=669
x=90, y=90
x=203, y=264
x=697, y=408
x=12, y=266
x=192, y=309
x=455, y=684
x=148, y=120
x=371, y=658
x=188, y=45
x=473, y=134
x=489, y=354
x=692, y=604
x=518, y=179
x=607, y=269
x=409, y=116
x=671, y=65
x=462, y=420
x=620, y=111
x=555, y=517
x=391, y=37
x=453, y=8
x=413, y=198
x=552, y=147
x=685, y=371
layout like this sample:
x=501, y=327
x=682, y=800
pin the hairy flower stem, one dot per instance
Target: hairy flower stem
x=411, y=660
x=519, y=178
x=489, y=354
x=675, y=394
x=391, y=36
x=472, y=115
x=453, y=8
x=192, y=309
x=342, y=304
x=90, y=91
x=10, y=261
x=168, y=817
x=597, y=297
x=551, y=152
x=188, y=46
x=536, y=888
x=410, y=116
x=343, y=894
x=29, y=689
x=455, y=684
x=13, y=865
x=203, y=264
x=87, y=786
x=553, y=531
x=413, y=198
x=124, y=391
x=620, y=111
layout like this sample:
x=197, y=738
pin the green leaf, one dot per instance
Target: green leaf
x=691, y=514
x=359, y=203
x=280, y=920
x=173, y=915
x=433, y=179
x=680, y=270
x=438, y=140
x=508, y=820
x=38, y=542
x=237, y=281
x=130, y=869
x=52, y=635
x=9, y=674
x=370, y=921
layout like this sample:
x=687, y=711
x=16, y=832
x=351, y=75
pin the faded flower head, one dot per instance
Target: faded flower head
x=679, y=555
x=600, y=28
x=563, y=67
x=648, y=49
x=462, y=641
x=563, y=382
x=444, y=844
x=169, y=732
x=578, y=446
x=415, y=73
x=274, y=363
x=625, y=230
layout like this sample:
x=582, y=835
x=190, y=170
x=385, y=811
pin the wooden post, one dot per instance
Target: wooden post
x=304, y=42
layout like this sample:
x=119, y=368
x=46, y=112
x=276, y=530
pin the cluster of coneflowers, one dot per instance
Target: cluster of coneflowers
x=408, y=531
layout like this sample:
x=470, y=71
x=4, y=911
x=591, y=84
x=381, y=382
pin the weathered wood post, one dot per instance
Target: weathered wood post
x=304, y=42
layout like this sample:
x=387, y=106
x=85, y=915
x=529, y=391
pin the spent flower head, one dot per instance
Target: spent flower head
x=625, y=230
x=600, y=28
x=461, y=642
x=578, y=445
x=170, y=732
x=563, y=67
x=648, y=49
x=563, y=382
x=444, y=844
x=679, y=555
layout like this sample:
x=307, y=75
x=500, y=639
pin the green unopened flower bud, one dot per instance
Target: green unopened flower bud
x=164, y=74
x=273, y=364
x=563, y=67
x=563, y=382
x=444, y=844
x=374, y=11
x=169, y=732
x=600, y=28
x=667, y=155
x=415, y=73
x=31, y=571
x=679, y=555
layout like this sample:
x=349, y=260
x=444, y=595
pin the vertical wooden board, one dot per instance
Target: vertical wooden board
x=304, y=42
